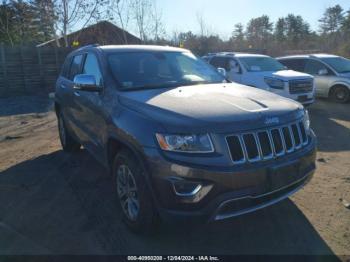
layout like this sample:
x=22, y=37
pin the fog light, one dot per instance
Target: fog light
x=186, y=188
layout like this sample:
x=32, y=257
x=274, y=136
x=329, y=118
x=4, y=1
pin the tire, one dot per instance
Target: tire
x=340, y=94
x=134, y=197
x=67, y=141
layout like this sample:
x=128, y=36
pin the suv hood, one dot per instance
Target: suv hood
x=288, y=75
x=216, y=108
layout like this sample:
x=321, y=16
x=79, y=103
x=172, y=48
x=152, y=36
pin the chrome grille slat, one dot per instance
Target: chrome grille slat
x=258, y=145
x=271, y=143
x=291, y=135
x=283, y=141
x=267, y=137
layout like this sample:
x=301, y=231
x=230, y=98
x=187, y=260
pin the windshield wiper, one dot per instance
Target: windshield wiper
x=167, y=85
x=151, y=86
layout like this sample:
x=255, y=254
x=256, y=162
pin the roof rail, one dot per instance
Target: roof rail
x=86, y=46
x=227, y=53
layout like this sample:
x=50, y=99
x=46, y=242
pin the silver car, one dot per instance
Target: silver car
x=331, y=72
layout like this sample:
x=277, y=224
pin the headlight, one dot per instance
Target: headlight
x=274, y=82
x=306, y=121
x=185, y=143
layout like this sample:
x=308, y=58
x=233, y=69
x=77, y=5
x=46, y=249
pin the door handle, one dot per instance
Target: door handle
x=76, y=93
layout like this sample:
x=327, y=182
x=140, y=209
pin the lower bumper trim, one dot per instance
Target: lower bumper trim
x=240, y=206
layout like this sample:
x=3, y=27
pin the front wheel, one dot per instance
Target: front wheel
x=67, y=141
x=134, y=196
x=341, y=94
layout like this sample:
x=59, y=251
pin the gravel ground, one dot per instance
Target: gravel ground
x=57, y=203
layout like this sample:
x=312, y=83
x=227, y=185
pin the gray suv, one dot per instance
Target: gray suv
x=179, y=140
x=332, y=73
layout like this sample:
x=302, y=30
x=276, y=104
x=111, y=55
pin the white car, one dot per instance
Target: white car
x=266, y=73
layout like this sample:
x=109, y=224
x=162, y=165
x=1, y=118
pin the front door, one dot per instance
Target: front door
x=322, y=75
x=90, y=109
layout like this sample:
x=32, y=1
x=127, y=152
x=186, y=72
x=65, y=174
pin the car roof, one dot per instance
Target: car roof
x=140, y=48
x=308, y=56
x=238, y=54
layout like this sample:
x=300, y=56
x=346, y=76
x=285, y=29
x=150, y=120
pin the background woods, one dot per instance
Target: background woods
x=33, y=22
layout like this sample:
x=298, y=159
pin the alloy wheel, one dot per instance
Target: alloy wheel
x=127, y=192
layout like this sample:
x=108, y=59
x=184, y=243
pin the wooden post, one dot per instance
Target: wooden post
x=24, y=77
x=56, y=60
x=40, y=63
x=4, y=68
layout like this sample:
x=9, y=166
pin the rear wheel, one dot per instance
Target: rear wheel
x=67, y=141
x=134, y=196
x=340, y=94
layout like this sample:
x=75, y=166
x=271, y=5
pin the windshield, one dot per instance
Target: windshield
x=340, y=64
x=142, y=70
x=260, y=64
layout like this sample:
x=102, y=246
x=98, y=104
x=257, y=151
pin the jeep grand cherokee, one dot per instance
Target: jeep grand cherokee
x=179, y=140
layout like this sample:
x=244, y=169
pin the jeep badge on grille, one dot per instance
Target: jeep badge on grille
x=271, y=120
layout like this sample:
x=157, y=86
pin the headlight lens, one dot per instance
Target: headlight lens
x=274, y=82
x=185, y=143
x=306, y=121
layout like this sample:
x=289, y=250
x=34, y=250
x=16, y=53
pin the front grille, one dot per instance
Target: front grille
x=300, y=86
x=267, y=144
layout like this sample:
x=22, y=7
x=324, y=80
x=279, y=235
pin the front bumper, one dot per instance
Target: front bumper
x=230, y=191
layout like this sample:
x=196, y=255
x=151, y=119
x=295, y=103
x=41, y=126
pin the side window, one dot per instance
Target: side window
x=294, y=64
x=91, y=67
x=219, y=62
x=75, y=66
x=66, y=67
x=313, y=67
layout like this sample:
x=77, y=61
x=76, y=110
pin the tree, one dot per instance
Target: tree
x=238, y=32
x=120, y=11
x=297, y=30
x=332, y=19
x=157, y=24
x=346, y=23
x=203, y=29
x=141, y=13
x=280, y=30
x=45, y=18
x=259, y=31
x=70, y=13
x=7, y=28
x=237, y=40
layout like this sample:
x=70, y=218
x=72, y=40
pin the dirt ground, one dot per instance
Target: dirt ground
x=57, y=203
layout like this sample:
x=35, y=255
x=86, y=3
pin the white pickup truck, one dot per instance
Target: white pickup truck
x=266, y=73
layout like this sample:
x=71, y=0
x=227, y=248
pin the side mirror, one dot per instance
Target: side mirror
x=323, y=72
x=222, y=71
x=86, y=83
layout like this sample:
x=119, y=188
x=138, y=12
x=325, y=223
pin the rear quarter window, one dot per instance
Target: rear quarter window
x=294, y=64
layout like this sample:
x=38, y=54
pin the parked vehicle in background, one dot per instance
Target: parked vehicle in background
x=178, y=139
x=266, y=73
x=331, y=73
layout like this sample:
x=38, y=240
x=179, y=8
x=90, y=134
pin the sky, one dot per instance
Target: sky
x=221, y=15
